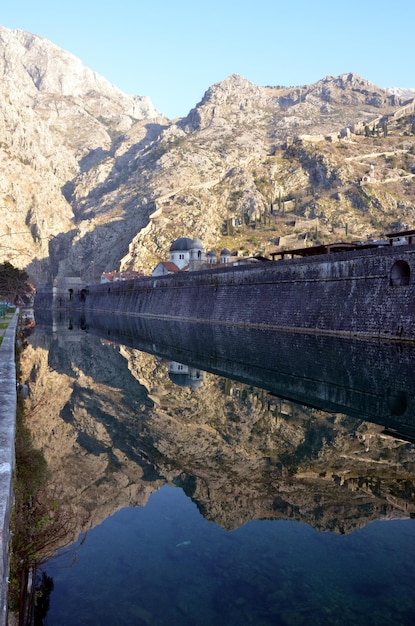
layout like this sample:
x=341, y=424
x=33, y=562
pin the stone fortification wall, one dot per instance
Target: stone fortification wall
x=406, y=109
x=369, y=292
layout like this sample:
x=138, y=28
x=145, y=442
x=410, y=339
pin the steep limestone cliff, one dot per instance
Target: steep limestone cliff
x=93, y=179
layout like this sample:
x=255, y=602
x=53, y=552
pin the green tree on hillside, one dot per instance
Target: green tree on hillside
x=13, y=283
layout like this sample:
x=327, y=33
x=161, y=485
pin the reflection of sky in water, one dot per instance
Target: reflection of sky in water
x=165, y=564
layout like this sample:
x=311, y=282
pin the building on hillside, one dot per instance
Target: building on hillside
x=189, y=255
x=69, y=289
x=403, y=238
x=211, y=258
x=165, y=267
x=225, y=257
x=197, y=254
x=187, y=252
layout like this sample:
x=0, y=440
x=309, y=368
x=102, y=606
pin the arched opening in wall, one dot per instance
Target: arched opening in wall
x=400, y=274
x=82, y=295
x=397, y=401
x=70, y=294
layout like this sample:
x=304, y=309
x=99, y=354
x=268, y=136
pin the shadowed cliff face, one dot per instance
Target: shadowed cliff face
x=116, y=423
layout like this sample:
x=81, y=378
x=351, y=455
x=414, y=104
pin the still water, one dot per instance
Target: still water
x=225, y=476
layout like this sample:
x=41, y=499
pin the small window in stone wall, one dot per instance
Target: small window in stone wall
x=400, y=274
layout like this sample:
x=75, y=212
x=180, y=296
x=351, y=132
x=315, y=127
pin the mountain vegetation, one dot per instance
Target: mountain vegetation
x=13, y=283
x=94, y=180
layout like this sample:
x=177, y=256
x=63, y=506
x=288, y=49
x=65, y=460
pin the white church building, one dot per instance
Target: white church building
x=185, y=251
x=188, y=255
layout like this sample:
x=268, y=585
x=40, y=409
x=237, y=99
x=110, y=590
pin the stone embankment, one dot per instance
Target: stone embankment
x=7, y=435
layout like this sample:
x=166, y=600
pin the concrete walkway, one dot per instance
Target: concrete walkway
x=7, y=436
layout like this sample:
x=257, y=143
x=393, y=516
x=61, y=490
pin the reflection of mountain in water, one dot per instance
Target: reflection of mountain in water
x=114, y=425
x=368, y=380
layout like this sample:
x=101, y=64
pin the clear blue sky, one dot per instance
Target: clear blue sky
x=174, y=50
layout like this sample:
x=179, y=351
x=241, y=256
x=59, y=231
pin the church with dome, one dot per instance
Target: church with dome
x=188, y=254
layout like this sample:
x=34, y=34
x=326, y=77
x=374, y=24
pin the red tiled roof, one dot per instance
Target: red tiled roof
x=169, y=266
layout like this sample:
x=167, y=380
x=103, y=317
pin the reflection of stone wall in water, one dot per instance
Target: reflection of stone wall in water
x=365, y=379
x=114, y=427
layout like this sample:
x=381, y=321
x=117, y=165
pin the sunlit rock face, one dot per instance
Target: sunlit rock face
x=93, y=179
x=90, y=475
x=115, y=424
x=57, y=119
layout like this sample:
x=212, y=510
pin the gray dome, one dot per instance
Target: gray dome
x=211, y=253
x=225, y=252
x=182, y=243
x=197, y=244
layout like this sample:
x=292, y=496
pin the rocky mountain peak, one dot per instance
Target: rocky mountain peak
x=349, y=89
x=93, y=179
x=231, y=89
x=233, y=95
x=350, y=80
x=57, y=119
x=43, y=68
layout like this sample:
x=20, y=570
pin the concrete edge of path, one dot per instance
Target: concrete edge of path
x=8, y=403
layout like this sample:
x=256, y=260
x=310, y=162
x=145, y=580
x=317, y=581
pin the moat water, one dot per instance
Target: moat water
x=266, y=483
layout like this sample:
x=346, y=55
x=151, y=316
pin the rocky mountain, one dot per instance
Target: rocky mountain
x=57, y=119
x=92, y=179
